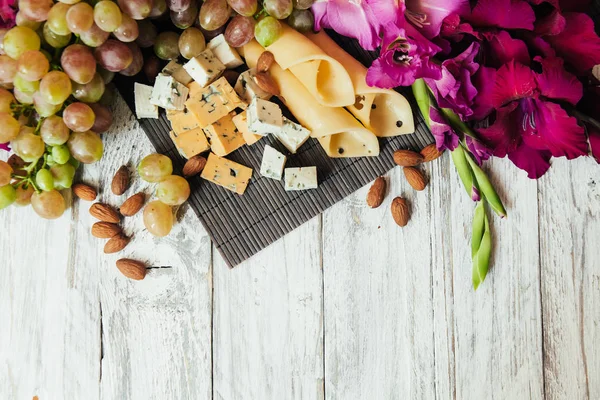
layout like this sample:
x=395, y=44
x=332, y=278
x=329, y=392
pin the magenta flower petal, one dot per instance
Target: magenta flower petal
x=428, y=15
x=539, y=46
x=503, y=136
x=575, y=5
x=556, y=83
x=504, y=48
x=552, y=24
x=578, y=43
x=507, y=14
x=445, y=137
x=594, y=138
x=480, y=151
x=484, y=81
x=513, y=81
x=8, y=13
x=4, y=146
x=455, y=29
x=534, y=162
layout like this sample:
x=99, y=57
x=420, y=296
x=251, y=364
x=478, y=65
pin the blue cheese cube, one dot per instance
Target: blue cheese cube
x=264, y=117
x=247, y=88
x=301, y=178
x=143, y=107
x=174, y=69
x=204, y=68
x=292, y=135
x=224, y=52
x=272, y=163
x=168, y=93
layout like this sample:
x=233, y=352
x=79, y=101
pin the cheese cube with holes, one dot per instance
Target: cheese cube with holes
x=224, y=52
x=213, y=102
x=191, y=142
x=174, y=69
x=223, y=136
x=272, y=164
x=247, y=88
x=143, y=107
x=264, y=117
x=292, y=135
x=301, y=178
x=228, y=174
x=182, y=121
x=168, y=93
x=241, y=122
x=205, y=67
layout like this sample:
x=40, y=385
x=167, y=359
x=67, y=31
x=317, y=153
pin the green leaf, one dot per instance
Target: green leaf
x=421, y=93
x=481, y=245
x=486, y=188
x=459, y=157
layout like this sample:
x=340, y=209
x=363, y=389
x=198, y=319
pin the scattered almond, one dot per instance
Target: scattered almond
x=415, y=178
x=400, y=211
x=265, y=61
x=132, y=269
x=120, y=182
x=407, y=158
x=116, y=244
x=104, y=212
x=105, y=230
x=84, y=192
x=133, y=204
x=194, y=166
x=430, y=153
x=376, y=193
x=266, y=83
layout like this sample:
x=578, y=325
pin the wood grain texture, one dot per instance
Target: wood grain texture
x=570, y=276
x=268, y=321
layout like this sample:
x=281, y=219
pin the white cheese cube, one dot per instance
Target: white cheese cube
x=204, y=68
x=247, y=88
x=292, y=135
x=224, y=52
x=301, y=178
x=264, y=117
x=168, y=93
x=143, y=107
x=272, y=163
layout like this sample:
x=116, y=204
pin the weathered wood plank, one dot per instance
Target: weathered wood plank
x=570, y=271
x=268, y=321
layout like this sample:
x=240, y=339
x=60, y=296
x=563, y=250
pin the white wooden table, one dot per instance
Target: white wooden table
x=348, y=306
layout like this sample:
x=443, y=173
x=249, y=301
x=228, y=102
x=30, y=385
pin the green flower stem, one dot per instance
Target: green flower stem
x=459, y=157
x=423, y=97
x=457, y=124
x=486, y=188
x=481, y=245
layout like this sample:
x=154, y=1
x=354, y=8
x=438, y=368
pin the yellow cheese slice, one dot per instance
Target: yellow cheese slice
x=228, y=174
x=241, y=122
x=223, y=136
x=350, y=144
x=213, y=102
x=324, y=77
x=191, y=142
x=182, y=121
x=386, y=112
x=320, y=120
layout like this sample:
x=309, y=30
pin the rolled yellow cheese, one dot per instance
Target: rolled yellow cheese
x=324, y=77
x=385, y=112
x=337, y=124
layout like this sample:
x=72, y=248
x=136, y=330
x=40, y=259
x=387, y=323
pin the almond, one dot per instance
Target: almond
x=133, y=204
x=105, y=230
x=104, y=212
x=131, y=268
x=376, y=193
x=415, y=178
x=120, y=182
x=407, y=158
x=400, y=211
x=194, y=166
x=116, y=244
x=266, y=83
x=265, y=61
x=84, y=192
x=430, y=153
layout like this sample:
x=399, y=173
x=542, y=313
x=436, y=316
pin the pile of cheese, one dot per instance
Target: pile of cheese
x=206, y=113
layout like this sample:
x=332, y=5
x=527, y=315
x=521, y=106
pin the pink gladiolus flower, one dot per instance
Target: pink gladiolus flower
x=4, y=146
x=507, y=14
x=8, y=14
x=445, y=136
x=428, y=15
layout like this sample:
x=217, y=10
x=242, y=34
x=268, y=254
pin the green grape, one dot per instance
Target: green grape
x=302, y=20
x=55, y=87
x=44, y=180
x=29, y=146
x=280, y=9
x=166, y=46
x=79, y=117
x=94, y=36
x=8, y=195
x=80, y=18
x=48, y=205
x=90, y=92
x=63, y=175
x=107, y=15
x=303, y=4
x=24, y=192
x=53, y=131
x=5, y=173
x=158, y=218
x=53, y=39
x=214, y=14
x=6, y=99
x=74, y=162
x=246, y=8
x=155, y=167
x=24, y=85
x=22, y=20
x=86, y=147
x=61, y=154
x=159, y=7
x=20, y=39
x=191, y=43
x=79, y=63
x=23, y=98
x=173, y=190
x=33, y=65
x=50, y=160
x=10, y=127
x=43, y=108
x=57, y=19
x=35, y=10
x=8, y=69
x=267, y=31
